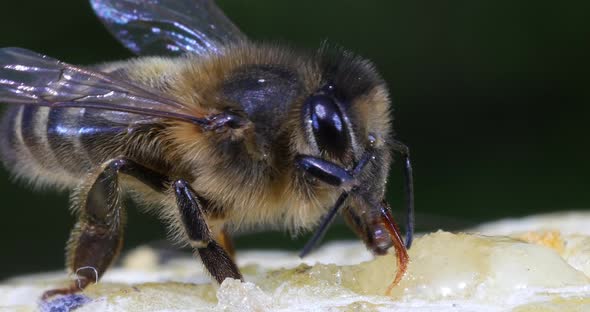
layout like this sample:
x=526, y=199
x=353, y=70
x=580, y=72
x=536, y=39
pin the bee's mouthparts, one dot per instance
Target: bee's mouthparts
x=384, y=232
x=335, y=175
x=400, y=249
x=331, y=173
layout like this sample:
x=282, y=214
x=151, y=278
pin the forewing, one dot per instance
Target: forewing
x=168, y=27
x=34, y=79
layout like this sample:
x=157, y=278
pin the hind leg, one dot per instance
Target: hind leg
x=97, y=237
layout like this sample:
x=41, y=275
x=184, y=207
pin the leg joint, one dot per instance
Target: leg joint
x=156, y=181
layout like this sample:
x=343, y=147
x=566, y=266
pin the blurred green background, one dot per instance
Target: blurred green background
x=491, y=96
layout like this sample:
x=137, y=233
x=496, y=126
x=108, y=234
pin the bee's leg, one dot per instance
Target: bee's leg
x=97, y=237
x=217, y=261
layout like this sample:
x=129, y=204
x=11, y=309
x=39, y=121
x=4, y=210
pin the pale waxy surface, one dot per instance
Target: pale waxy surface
x=448, y=272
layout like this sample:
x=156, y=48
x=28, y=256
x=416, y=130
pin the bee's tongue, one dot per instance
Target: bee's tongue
x=383, y=233
x=401, y=252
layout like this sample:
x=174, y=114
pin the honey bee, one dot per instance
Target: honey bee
x=209, y=130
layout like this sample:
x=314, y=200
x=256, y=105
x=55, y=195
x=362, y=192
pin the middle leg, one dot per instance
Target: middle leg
x=215, y=258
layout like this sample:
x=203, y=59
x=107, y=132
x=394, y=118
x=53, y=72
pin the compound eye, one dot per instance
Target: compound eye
x=327, y=124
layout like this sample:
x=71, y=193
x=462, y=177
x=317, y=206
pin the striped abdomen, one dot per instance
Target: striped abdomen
x=61, y=145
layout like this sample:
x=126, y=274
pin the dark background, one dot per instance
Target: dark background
x=491, y=96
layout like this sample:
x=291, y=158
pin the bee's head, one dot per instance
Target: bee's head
x=348, y=110
x=347, y=114
x=347, y=130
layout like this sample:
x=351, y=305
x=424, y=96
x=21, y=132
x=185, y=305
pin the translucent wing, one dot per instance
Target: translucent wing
x=168, y=27
x=34, y=79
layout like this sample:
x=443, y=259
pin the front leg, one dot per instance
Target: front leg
x=216, y=260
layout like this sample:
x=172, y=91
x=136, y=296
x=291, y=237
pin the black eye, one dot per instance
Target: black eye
x=327, y=124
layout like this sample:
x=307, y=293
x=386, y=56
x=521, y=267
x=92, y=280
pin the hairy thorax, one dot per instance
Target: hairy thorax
x=246, y=189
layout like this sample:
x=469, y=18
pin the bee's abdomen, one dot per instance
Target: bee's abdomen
x=55, y=145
